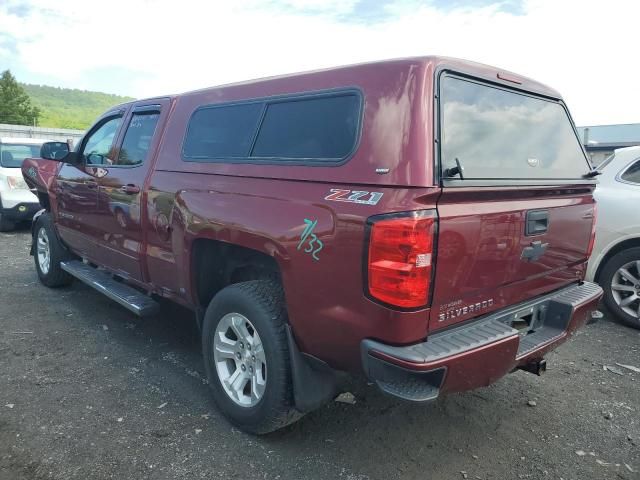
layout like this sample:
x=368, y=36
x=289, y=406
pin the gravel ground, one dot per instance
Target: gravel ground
x=89, y=391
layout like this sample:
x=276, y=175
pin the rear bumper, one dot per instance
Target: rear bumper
x=480, y=352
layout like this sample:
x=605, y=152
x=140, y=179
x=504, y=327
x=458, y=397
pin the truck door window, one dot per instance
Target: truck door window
x=496, y=133
x=98, y=148
x=137, y=140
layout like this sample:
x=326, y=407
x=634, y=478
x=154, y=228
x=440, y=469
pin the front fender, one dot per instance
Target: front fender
x=39, y=173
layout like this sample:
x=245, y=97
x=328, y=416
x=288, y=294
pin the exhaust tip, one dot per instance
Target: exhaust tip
x=537, y=368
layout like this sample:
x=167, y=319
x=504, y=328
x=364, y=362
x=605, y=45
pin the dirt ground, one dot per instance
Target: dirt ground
x=89, y=391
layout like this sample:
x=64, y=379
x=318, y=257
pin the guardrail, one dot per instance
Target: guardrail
x=26, y=131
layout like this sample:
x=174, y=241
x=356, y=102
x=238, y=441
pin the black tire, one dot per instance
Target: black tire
x=262, y=303
x=606, y=278
x=6, y=225
x=55, y=276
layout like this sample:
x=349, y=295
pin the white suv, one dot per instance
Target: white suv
x=615, y=261
x=17, y=202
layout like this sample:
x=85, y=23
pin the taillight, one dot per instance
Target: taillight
x=401, y=251
x=592, y=240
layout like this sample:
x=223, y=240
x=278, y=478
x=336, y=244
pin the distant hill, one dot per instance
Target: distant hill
x=70, y=108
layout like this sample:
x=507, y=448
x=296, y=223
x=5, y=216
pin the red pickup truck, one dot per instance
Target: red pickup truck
x=424, y=221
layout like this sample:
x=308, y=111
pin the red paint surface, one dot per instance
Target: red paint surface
x=482, y=236
x=263, y=207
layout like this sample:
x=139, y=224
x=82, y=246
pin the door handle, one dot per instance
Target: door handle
x=91, y=184
x=537, y=222
x=130, y=189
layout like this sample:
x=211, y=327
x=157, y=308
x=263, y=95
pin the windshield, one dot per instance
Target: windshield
x=12, y=154
x=501, y=134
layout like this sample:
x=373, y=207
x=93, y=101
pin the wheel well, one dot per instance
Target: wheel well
x=630, y=243
x=215, y=265
x=43, y=198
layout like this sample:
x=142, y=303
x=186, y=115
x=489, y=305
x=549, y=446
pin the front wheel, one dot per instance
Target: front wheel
x=246, y=356
x=49, y=252
x=620, y=280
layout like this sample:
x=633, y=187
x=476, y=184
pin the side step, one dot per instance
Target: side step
x=412, y=390
x=130, y=298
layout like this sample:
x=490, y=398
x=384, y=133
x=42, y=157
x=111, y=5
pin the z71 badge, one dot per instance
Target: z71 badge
x=354, y=196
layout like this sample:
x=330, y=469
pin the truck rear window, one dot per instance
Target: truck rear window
x=501, y=134
x=317, y=128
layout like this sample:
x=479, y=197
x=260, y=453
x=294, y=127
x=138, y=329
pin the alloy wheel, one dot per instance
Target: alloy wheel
x=240, y=360
x=625, y=288
x=43, y=248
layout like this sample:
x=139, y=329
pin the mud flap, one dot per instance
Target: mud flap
x=314, y=382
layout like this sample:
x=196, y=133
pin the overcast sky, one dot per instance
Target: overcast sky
x=588, y=50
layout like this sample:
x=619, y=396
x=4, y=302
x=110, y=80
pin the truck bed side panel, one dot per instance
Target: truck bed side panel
x=327, y=307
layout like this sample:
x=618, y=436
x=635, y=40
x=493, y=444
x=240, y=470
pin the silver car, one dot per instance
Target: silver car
x=615, y=261
x=17, y=202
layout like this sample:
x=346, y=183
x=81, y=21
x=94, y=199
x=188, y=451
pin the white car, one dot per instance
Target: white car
x=17, y=202
x=615, y=261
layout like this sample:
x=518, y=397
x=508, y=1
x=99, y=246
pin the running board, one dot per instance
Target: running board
x=130, y=298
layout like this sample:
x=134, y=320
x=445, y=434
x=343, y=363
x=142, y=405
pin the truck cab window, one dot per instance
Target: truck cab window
x=98, y=146
x=137, y=140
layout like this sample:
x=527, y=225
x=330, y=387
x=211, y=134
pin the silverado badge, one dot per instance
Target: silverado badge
x=456, y=309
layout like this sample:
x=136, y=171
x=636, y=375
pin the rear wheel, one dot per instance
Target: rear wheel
x=240, y=361
x=247, y=358
x=620, y=280
x=49, y=252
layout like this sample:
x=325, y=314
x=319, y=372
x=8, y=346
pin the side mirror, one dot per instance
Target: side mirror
x=59, y=152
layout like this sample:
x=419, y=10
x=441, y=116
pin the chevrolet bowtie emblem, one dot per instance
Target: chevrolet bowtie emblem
x=534, y=252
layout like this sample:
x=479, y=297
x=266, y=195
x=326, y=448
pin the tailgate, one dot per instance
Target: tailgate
x=487, y=259
x=516, y=216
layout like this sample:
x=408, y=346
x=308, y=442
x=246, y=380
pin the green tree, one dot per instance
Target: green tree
x=15, y=104
x=69, y=108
